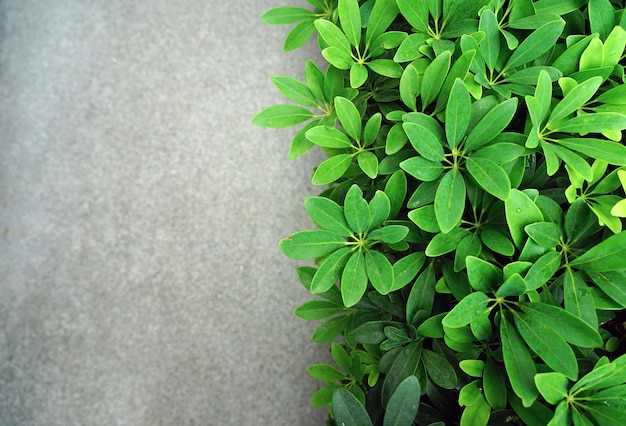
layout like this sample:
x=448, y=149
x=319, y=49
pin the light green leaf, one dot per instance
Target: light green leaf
x=543, y=269
x=608, y=255
x=311, y=244
x=332, y=35
x=424, y=218
x=368, y=162
x=490, y=45
x=450, y=200
x=395, y=189
x=519, y=365
x=295, y=90
x=328, y=137
x=318, y=309
x=574, y=100
x=409, y=48
x=470, y=307
x=329, y=271
x=358, y=75
x=601, y=149
x=406, y=268
x=299, y=35
x=403, y=404
x=546, y=234
x=389, y=234
x=380, y=207
x=536, y=44
x=350, y=19
x=574, y=161
x=348, y=409
x=386, y=67
x=424, y=141
x=330, y=329
x=553, y=386
x=379, y=271
x=443, y=243
x=353, y=279
x=327, y=215
x=416, y=13
x=490, y=176
x=396, y=139
x=476, y=414
x=283, y=115
x=349, y=117
x=457, y=113
x=482, y=275
x=326, y=373
x=410, y=86
x=356, y=210
x=496, y=241
x=531, y=75
x=286, y=15
x=492, y=124
x=592, y=123
x=332, y=169
x=371, y=129
x=382, y=15
x=501, y=152
x=338, y=57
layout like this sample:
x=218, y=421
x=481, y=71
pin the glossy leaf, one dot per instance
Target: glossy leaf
x=331, y=169
x=575, y=99
x=353, y=279
x=278, y=116
x=328, y=272
x=328, y=215
x=332, y=35
x=457, y=113
x=382, y=15
x=606, y=256
x=448, y=209
x=350, y=19
x=311, y=244
x=424, y=141
x=318, y=309
x=552, y=386
x=490, y=176
x=519, y=365
x=416, y=13
x=349, y=117
x=491, y=125
x=379, y=207
x=535, y=44
x=422, y=293
x=433, y=78
x=379, y=271
x=348, y=409
x=520, y=211
x=422, y=169
x=328, y=137
x=439, y=369
x=356, y=210
x=403, y=404
x=466, y=310
x=482, y=275
x=368, y=162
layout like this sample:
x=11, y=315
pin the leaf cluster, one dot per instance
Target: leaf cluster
x=470, y=253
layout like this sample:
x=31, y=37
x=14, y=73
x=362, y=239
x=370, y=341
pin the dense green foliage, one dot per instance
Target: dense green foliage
x=470, y=258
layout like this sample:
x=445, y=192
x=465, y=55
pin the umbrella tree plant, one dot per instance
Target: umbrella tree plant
x=470, y=262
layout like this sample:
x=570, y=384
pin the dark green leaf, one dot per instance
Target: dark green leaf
x=409, y=49
x=496, y=241
x=410, y=86
x=546, y=234
x=353, y=279
x=403, y=404
x=482, y=275
x=439, y=369
x=543, y=269
x=449, y=200
x=283, y=115
x=379, y=209
x=492, y=124
x=330, y=329
x=371, y=129
x=601, y=17
x=531, y=75
x=433, y=78
x=519, y=365
x=490, y=45
x=578, y=300
x=612, y=283
x=406, y=268
x=372, y=332
x=405, y=365
x=348, y=409
x=395, y=189
x=423, y=169
x=416, y=13
x=493, y=385
x=443, y=243
x=514, y=285
x=424, y=218
x=520, y=211
x=386, y=67
x=422, y=293
x=425, y=142
x=389, y=234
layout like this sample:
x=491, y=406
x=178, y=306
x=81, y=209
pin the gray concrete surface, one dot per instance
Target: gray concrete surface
x=140, y=278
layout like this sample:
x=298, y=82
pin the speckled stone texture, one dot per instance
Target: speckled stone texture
x=140, y=277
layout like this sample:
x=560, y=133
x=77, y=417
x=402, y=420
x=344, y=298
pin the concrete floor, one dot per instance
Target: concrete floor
x=140, y=277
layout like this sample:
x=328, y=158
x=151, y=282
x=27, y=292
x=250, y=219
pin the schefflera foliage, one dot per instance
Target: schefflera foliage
x=470, y=262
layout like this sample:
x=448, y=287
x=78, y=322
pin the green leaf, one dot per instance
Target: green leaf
x=405, y=365
x=577, y=298
x=353, y=279
x=600, y=149
x=601, y=17
x=330, y=329
x=395, y=189
x=549, y=345
x=434, y=77
x=470, y=307
x=328, y=137
x=476, y=414
x=546, y=234
x=416, y=13
x=358, y=75
x=422, y=293
x=592, y=123
x=489, y=176
x=614, y=46
x=372, y=332
x=496, y=241
x=326, y=373
x=572, y=328
x=318, y=309
x=459, y=70
x=490, y=45
x=338, y=57
x=494, y=386
x=327, y=215
x=482, y=275
x=350, y=19
x=443, y=243
x=450, y=200
x=520, y=211
x=379, y=207
x=608, y=255
x=386, y=67
x=612, y=283
x=329, y=270
x=531, y=75
x=491, y=125
x=457, y=113
x=403, y=404
x=410, y=86
x=519, y=365
x=349, y=117
x=422, y=168
x=553, y=386
x=379, y=271
x=574, y=100
x=332, y=35
x=371, y=129
x=542, y=270
x=368, y=162
x=574, y=161
x=424, y=218
x=332, y=169
x=348, y=409
x=424, y=141
x=382, y=15
x=389, y=234
x=356, y=210
x=295, y=90
x=439, y=369
x=283, y=115
x=315, y=80
x=536, y=44
x=286, y=15
x=311, y=244
x=406, y=268
x=299, y=35
x=409, y=48
x=501, y=152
